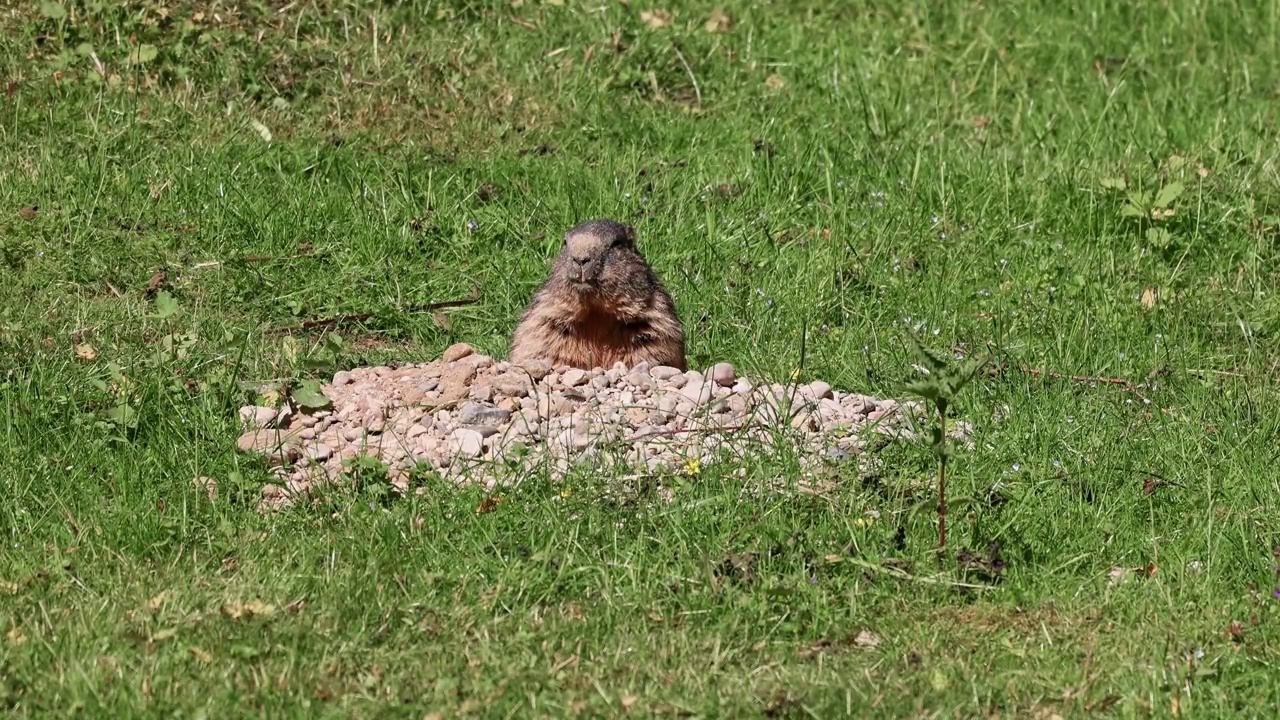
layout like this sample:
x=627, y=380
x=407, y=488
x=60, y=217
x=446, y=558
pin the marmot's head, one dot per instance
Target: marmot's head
x=600, y=255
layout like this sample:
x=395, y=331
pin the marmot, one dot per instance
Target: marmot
x=602, y=303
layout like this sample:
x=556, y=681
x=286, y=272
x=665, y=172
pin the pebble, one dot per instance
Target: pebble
x=664, y=372
x=456, y=352
x=466, y=406
x=511, y=386
x=819, y=390
x=258, y=415
x=723, y=374
x=537, y=369
x=473, y=413
x=467, y=442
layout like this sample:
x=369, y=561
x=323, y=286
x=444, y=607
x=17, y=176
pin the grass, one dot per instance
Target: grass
x=852, y=171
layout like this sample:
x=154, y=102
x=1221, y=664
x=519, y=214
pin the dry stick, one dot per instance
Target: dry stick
x=1118, y=382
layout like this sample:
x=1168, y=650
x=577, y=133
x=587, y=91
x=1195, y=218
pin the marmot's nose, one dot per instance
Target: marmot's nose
x=581, y=261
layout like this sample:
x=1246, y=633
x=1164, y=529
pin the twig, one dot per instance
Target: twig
x=1128, y=385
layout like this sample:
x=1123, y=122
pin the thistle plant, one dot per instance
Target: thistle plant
x=940, y=384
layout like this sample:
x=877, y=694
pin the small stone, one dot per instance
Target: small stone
x=456, y=352
x=307, y=433
x=342, y=377
x=415, y=430
x=696, y=392
x=537, y=369
x=320, y=452
x=838, y=455
x=861, y=404
x=819, y=390
x=804, y=420
x=258, y=415
x=485, y=430
x=664, y=372
x=482, y=392
x=638, y=381
x=526, y=422
x=723, y=374
x=574, y=377
x=455, y=382
x=511, y=386
x=550, y=406
x=264, y=442
x=467, y=442
x=573, y=439
x=352, y=434
x=875, y=415
x=666, y=408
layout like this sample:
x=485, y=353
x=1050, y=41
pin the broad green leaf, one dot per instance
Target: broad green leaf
x=53, y=10
x=1114, y=183
x=143, y=54
x=166, y=305
x=123, y=415
x=1129, y=210
x=309, y=396
x=1159, y=237
x=1168, y=194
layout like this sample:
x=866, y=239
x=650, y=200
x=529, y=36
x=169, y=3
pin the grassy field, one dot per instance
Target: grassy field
x=1089, y=191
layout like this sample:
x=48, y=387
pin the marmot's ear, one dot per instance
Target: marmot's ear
x=629, y=233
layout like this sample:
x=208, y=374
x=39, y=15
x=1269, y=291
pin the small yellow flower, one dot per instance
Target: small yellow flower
x=863, y=522
x=692, y=466
x=795, y=374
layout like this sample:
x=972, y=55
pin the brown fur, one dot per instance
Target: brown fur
x=602, y=303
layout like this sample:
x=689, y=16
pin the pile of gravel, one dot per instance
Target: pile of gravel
x=470, y=418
